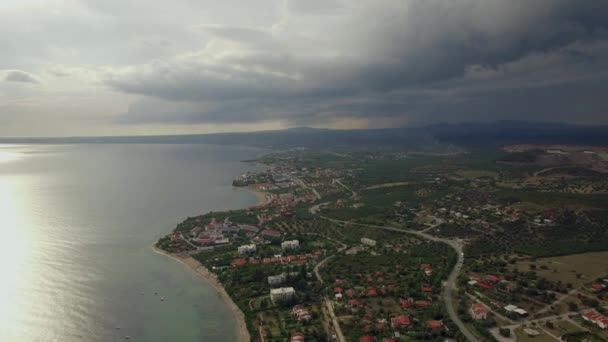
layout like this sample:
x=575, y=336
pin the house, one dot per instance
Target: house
x=293, y=244
x=406, y=303
x=246, y=249
x=368, y=242
x=597, y=287
x=350, y=293
x=258, y=240
x=433, y=324
x=296, y=337
x=354, y=303
x=286, y=212
x=492, y=278
x=366, y=338
x=426, y=288
x=238, y=262
x=596, y=318
x=301, y=313
x=195, y=231
x=282, y=294
x=277, y=279
x=483, y=285
x=422, y=303
x=371, y=291
x=478, y=311
x=400, y=321
x=338, y=290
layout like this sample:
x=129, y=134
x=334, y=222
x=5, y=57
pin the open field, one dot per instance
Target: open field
x=543, y=337
x=563, y=327
x=567, y=268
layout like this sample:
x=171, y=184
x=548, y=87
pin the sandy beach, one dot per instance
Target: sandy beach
x=210, y=278
x=262, y=197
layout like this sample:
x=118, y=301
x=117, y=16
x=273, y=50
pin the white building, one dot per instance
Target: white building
x=368, y=242
x=277, y=279
x=282, y=294
x=246, y=249
x=293, y=244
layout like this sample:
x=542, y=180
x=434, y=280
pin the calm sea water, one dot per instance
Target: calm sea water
x=77, y=223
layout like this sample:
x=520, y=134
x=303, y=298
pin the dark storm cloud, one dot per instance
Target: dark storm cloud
x=19, y=76
x=413, y=60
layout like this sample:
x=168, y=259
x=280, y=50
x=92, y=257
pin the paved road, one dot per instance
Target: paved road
x=334, y=319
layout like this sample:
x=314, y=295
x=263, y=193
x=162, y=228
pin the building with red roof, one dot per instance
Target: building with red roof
x=354, y=303
x=301, y=313
x=406, y=303
x=366, y=338
x=238, y=262
x=400, y=321
x=422, y=303
x=478, y=311
x=297, y=337
x=433, y=324
x=426, y=288
x=371, y=291
x=483, y=285
x=596, y=318
x=492, y=278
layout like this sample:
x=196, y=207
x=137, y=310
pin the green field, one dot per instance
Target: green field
x=576, y=269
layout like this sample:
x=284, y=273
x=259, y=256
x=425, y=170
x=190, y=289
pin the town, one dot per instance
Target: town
x=412, y=246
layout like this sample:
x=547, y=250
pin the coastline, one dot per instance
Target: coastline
x=242, y=332
x=262, y=197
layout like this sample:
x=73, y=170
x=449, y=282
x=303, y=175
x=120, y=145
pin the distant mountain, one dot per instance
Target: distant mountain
x=431, y=137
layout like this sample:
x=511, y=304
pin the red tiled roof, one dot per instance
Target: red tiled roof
x=400, y=321
x=433, y=324
x=354, y=302
x=478, y=309
x=492, y=278
x=484, y=285
x=422, y=303
x=239, y=262
x=366, y=338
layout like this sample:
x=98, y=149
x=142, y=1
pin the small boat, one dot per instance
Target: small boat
x=162, y=299
x=127, y=337
x=155, y=293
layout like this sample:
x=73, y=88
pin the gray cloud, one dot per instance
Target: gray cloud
x=419, y=60
x=18, y=76
x=198, y=64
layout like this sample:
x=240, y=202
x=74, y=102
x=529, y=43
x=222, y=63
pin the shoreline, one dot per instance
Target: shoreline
x=242, y=333
x=262, y=197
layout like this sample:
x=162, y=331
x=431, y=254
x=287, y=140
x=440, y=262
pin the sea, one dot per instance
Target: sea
x=78, y=223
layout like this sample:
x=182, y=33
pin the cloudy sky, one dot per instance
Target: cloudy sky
x=115, y=67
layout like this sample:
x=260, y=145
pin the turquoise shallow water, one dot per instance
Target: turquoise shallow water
x=78, y=222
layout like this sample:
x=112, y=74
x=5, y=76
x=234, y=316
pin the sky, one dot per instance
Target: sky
x=141, y=67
